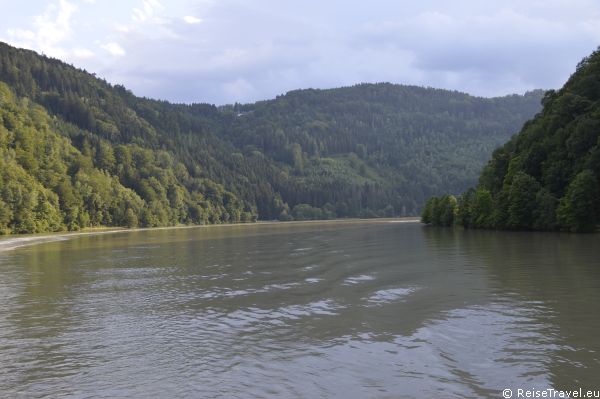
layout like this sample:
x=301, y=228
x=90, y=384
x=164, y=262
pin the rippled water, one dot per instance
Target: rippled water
x=342, y=310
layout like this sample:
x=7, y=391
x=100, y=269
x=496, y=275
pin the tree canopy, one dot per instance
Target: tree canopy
x=546, y=177
x=362, y=151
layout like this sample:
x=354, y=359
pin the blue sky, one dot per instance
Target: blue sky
x=223, y=51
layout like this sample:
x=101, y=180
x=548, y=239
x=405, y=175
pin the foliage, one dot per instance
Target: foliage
x=546, y=177
x=370, y=146
x=307, y=212
x=46, y=184
x=440, y=211
x=578, y=209
x=362, y=151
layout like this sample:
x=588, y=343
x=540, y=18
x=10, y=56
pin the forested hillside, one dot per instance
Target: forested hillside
x=377, y=149
x=367, y=150
x=545, y=178
x=46, y=184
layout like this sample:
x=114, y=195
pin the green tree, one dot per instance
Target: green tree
x=448, y=205
x=481, y=208
x=545, y=210
x=131, y=219
x=427, y=214
x=63, y=124
x=464, y=208
x=522, y=201
x=555, y=155
x=578, y=209
x=5, y=217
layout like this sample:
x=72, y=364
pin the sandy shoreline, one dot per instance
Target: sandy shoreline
x=11, y=242
x=16, y=241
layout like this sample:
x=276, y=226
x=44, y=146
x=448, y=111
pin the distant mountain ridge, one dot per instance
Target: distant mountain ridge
x=367, y=150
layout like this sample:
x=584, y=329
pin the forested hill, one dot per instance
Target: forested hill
x=46, y=184
x=377, y=148
x=548, y=176
x=367, y=150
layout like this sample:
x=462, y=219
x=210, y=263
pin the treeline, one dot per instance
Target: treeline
x=545, y=178
x=364, y=151
x=46, y=184
x=366, y=148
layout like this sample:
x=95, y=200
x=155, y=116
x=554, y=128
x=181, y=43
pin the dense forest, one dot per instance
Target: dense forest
x=545, y=178
x=46, y=184
x=76, y=151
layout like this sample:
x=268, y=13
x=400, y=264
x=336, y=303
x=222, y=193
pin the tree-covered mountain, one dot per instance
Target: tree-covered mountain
x=46, y=184
x=367, y=150
x=377, y=149
x=545, y=178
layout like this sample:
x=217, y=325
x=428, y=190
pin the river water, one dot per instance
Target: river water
x=336, y=310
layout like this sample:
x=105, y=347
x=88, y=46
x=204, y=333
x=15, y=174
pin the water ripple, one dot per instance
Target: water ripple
x=359, y=311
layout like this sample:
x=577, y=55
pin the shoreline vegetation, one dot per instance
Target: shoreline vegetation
x=15, y=241
x=76, y=151
x=547, y=177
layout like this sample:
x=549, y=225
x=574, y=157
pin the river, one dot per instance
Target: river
x=367, y=309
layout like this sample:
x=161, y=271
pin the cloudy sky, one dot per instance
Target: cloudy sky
x=223, y=51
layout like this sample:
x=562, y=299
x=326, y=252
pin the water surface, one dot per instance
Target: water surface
x=341, y=310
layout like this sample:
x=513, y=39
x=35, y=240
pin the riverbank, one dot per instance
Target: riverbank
x=10, y=242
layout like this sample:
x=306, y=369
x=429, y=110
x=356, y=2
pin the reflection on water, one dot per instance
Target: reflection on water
x=347, y=310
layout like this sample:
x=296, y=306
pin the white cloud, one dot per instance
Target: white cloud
x=147, y=11
x=239, y=88
x=485, y=48
x=121, y=28
x=50, y=30
x=149, y=21
x=192, y=20
x=22, y=34
x=114, y=49
x=486, y=53
x=82, y=53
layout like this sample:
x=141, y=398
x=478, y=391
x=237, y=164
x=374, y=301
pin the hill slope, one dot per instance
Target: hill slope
x=367, y=150
x=546, y=177
x=370, y=146
x=46, y=184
